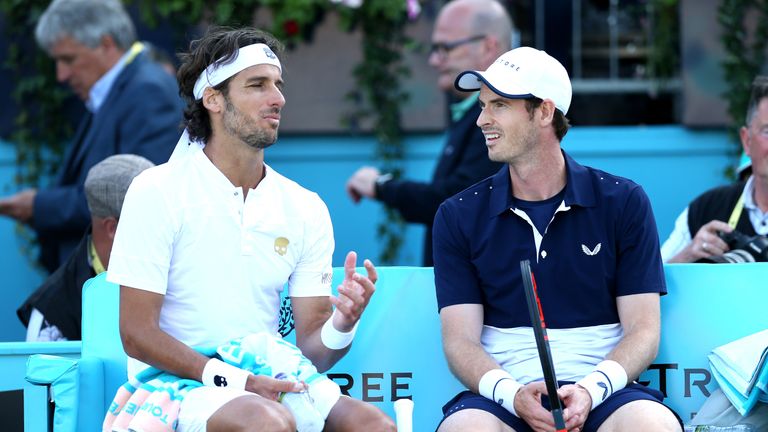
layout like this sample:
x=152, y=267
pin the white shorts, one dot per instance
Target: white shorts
x=200, y=404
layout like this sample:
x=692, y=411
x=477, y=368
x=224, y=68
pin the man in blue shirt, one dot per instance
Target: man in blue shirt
x=594, y=248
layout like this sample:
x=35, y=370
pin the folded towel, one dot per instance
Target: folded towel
x=741, y=370
x=740, y=361
x=151, y=402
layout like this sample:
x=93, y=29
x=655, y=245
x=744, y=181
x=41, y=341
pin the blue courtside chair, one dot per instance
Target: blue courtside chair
x=82, y=388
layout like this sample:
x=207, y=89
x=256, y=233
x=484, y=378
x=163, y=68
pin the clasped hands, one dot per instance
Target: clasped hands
x=576, y=406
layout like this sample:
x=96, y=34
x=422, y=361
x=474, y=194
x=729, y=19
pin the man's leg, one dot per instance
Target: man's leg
x=349, y=415
x=470, y=411
x=215, y=409
x=641, y=415
x=633, y=408
x=473, y=419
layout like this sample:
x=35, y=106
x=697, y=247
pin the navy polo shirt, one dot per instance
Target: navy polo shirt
x=602, y=243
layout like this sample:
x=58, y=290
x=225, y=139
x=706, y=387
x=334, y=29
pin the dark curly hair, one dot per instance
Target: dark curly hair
x=217, y=43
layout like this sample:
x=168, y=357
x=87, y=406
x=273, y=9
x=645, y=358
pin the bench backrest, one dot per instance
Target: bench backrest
x=397, y=352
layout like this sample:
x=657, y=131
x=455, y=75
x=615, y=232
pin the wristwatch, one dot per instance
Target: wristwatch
x=380, y=182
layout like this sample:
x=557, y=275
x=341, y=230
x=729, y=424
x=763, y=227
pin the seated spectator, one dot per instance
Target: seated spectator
x=53, y=312
x=742, y=206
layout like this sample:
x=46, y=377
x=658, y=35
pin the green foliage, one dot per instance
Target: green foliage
x=39, y=125
x=664, y=58
x=745, y=53
x=377, y=98
x=378, y=79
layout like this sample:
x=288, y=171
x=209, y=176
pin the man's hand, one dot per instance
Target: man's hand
x=362, y=184
x=271, y=388
x=577, y=404
x=705, y=243
x=528, y=407
x=19, y=206
x=354, y=293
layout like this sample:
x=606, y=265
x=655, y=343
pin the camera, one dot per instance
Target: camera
x=743, y=249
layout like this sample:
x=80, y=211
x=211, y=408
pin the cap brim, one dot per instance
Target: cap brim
x=472, y=81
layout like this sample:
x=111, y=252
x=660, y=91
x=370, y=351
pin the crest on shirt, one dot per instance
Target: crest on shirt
x=281, y=245
x=591, y=252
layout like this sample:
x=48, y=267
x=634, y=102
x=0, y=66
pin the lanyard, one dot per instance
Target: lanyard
x=736, y=213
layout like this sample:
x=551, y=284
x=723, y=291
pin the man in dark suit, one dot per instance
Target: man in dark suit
x=133, y=107
x=468, y=34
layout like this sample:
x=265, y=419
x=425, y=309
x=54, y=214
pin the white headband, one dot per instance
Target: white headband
x=219, y=72
x=216, y=74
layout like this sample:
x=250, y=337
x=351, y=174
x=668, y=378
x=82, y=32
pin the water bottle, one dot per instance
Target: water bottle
x=734, y=428
x=404, y=415
x=306, y=416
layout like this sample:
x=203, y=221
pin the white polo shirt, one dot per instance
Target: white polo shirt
x=221, y=262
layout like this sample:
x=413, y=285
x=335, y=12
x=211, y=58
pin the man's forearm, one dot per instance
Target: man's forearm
x=161, y=350
x=468, y=362
x=322, y=357
x=636, y=351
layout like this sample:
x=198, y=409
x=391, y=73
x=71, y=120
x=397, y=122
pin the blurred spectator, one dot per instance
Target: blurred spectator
x=160, y=57
x=468, y=34
x=742, y=206
x=53, y=312
x=133, y=107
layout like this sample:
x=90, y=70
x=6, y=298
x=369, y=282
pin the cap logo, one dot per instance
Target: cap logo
x=268, y=52
x=508, y=64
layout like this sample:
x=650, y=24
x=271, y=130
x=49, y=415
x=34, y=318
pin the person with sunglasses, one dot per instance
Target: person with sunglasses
x=468, y=34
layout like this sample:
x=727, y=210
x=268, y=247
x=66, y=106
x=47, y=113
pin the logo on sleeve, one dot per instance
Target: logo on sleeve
x=326, y=278
x=592, y=252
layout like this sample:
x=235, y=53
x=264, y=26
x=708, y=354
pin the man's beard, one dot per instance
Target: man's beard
x=239, y=125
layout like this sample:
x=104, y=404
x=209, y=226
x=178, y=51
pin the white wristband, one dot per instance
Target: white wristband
x=608, y=378
x=219, y=374
x=335, y=339
x=499, y=386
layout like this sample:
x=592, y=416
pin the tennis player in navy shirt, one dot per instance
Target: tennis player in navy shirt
x=594, y=250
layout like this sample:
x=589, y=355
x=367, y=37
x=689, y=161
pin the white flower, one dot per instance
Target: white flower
x=414, y=8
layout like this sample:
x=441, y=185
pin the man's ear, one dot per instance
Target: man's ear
x=107, y=43
x=745, y=139
x=491, y=49
x=110, y=226
x=547, y=109
x=213, y=100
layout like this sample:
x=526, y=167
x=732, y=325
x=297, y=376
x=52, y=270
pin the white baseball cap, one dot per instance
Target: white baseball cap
x=523, y=73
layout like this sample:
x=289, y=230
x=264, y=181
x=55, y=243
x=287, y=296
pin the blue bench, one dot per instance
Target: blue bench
x=397, y=352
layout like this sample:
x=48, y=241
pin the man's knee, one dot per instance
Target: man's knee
x=355, y=415
x=473, y=419
x=641, y=415
x=380, y=422
x=250, y=414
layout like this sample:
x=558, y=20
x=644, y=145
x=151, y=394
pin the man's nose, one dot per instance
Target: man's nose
x=435, y=58
x=63, y=72
x=277, y=99
x=482, y=118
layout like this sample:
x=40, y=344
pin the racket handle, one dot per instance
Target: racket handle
x=404, y=415
x=559, y=422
